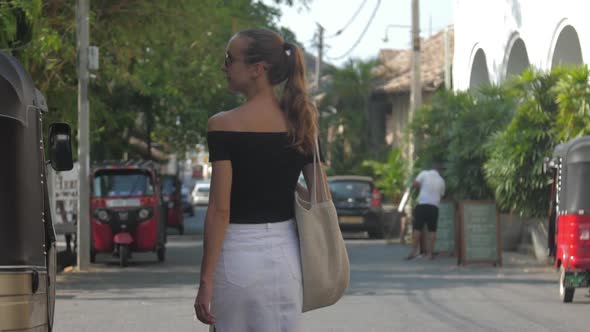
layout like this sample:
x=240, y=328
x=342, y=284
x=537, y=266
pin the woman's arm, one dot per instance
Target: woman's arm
x=217, y=218
x=216, y=221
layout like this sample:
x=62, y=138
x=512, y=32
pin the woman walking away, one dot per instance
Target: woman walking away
x=251, y=271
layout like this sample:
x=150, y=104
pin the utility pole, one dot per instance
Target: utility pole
x=416, y=84
x=447, y=60
x=83, y=36
x=415, y=95
x=318, y=61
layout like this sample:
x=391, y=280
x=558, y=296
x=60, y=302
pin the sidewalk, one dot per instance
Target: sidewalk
x=510, y=260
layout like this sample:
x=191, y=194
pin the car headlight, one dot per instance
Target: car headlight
x=103, y=215
x=144, y=213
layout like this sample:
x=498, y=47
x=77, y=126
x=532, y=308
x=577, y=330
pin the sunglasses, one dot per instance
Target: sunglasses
x=229, y=60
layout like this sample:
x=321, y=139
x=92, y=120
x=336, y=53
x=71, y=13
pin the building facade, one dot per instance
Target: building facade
x=389, y=103
x=500, y=38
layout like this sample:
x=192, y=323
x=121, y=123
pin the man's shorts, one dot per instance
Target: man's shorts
x=425, y=214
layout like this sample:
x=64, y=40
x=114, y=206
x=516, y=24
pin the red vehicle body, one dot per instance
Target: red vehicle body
x=126, y=210
x=171, y=187
x=569, y=220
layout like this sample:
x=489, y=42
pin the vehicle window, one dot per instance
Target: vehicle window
x=352, y=189
x=577, y=190
x=203, y=189
x=122, y=183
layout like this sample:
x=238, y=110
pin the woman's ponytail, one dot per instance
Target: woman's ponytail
x=301, y=112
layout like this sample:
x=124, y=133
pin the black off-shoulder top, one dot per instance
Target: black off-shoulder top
x=265, y=171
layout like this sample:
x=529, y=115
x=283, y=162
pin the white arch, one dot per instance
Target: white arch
x=516, y=59
x=565, y=46
x=479, y=70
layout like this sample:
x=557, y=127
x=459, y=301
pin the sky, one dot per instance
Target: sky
x=333, y=15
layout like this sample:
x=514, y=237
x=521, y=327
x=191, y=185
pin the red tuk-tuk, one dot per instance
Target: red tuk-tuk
x=127, y=212
x=171, y=195
x=569, y=216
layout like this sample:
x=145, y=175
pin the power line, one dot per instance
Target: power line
x=349, y=21
x=361, y=36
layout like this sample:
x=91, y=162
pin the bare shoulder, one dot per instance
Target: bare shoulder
x=221, y=121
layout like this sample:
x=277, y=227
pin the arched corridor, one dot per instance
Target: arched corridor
x=479, y=70
x=567, y=51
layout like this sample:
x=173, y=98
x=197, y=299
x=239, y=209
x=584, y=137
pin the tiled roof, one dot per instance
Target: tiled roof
x=393, y=72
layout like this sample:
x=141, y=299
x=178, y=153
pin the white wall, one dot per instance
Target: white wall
x=495, y=26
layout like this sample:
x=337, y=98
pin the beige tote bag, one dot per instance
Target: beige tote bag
x=324, y=260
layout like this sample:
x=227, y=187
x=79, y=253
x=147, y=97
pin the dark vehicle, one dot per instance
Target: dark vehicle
x=358, y=204
x=127, y=210
x=27, y=238
x=569, y=219
x=171, y=194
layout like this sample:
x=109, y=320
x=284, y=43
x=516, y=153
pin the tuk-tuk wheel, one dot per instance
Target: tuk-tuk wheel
x=92, y=256
x=181, y=229
x=565, y=293
x=123, y=255
x=161, y=254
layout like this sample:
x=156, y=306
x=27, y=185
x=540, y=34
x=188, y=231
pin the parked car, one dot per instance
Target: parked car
x=200, y=194
x=185, y=199
x=358, y=204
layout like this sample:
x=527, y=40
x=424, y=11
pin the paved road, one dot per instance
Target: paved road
x=386, y=293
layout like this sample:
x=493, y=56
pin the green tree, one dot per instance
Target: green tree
x=160, y=61
x=347, y=131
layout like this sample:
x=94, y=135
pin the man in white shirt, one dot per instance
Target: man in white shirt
x=432, y=189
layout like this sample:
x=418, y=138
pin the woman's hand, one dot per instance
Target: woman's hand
x=203, y=303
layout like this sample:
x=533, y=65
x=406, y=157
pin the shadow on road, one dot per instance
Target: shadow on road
x=181, y=267
x=385, y=272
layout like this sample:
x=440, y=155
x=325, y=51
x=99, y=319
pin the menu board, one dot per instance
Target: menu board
x=445, y=233
x=480, y=233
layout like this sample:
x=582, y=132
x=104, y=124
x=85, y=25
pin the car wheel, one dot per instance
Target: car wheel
x=566, y=294
x=161, y=252
x=123, y=255
x=377, y=233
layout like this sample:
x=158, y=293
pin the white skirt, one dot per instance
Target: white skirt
x=257, y=284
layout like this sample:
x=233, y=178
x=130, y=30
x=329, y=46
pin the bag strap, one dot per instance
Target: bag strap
x=317, y=174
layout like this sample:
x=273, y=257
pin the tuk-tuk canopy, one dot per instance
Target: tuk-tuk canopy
x=574, y=191
x=17, y=90
x=23, y=207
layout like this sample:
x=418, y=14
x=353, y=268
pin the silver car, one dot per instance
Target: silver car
x=200, y=194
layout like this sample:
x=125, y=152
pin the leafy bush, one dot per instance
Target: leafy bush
x=515, y=155
x=573, y=102
x=492, y=142
x=431, y=126
x=490, y=111
x=390, y=176
x=453, y=131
